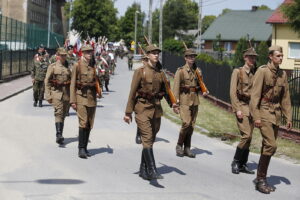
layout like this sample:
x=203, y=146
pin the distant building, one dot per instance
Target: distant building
x=36, y=12
x=286, y=37
x=236, y=24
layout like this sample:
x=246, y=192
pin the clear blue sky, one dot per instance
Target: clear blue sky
x=210, y=7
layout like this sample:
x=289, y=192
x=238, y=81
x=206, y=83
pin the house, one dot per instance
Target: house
x=285, y=36
x=236, y=24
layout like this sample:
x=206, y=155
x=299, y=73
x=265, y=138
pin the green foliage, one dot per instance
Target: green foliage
x=127, y=24
x=263, y=7
x=94, y=18
x=179, y=15
x=225, y=10
x=173, y=46
x=206, y=58
x=238, y=59
x=155, y=26
x=207, y=21
x=262, y=51
x=291, y=12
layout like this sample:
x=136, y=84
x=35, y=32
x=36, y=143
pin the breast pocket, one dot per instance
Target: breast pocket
x=84, y=77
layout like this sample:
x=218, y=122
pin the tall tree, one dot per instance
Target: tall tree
x=94, y=18
x=238, y=59
x=262, y=51
x=263, y=7
x=207, y=21
x=127, y=23
x=291, y=11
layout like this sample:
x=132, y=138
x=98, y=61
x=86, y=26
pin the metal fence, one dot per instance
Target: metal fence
x=18, y=43
x=217, y=79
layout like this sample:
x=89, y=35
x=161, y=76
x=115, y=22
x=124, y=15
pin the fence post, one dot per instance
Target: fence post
x=11, y=26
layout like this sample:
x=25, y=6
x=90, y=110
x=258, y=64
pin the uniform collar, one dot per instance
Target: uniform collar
x=247, y=69
x=152, y=67
x=188, y=68
x=272, y=67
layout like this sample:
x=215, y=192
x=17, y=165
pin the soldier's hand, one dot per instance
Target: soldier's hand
x=257, y=123
x=49, y=101
x=239, y=114
x=289, y=126
x=205, y=93
x=127, y=118
x=175, y=108
x=74, y=106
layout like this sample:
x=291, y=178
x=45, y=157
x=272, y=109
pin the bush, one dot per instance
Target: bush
x=173, y=46
x=262, y=51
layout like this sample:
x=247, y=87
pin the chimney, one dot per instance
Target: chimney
x=254, y=8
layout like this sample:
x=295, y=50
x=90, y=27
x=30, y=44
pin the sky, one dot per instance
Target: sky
x=210, y=7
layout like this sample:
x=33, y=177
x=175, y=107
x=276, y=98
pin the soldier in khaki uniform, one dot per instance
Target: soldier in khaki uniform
x=240, y=91
x=57, y=84
x=270, y=98
x=147, y=90
x=83, y=97
x=186, y=90
x=38, y=74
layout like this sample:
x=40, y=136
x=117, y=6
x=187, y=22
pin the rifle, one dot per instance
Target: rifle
x=170, y=95
x=57, y=41
x=198, y=75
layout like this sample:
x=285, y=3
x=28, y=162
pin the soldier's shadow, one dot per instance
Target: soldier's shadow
x=252, y=166
x=68, y=141
x=276, y=180
x=165, y=169
x=158, y=139
x=107, y=149
x=197, y=151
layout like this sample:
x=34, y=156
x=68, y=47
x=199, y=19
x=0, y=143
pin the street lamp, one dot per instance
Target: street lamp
x=135, y=30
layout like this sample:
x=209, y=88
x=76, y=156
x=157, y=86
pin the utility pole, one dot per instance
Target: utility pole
x=49, y=23
x=71, y=19
x=161, y=27
x=135, y=30
x=199, y=27
x=150, y=22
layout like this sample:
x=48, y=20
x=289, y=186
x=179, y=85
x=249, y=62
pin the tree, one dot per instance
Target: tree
x=238, y=59
x=207, y=21
x=127, y=24
x=94, y=18
x=173, y=46
x=225, y=10
x=262, y=51
x=263, y=7
x=291, y=12
x=179, y=15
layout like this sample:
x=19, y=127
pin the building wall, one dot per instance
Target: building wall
x=15, y=9
x=282, y=34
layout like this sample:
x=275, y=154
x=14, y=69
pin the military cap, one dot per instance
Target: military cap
x=151, y=48
x=275, y=48
x=87, y=48
x=250, y=52
x=190, y=52
x=62, y=51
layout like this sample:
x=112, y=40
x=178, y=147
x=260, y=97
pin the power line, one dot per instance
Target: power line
x=218, y=2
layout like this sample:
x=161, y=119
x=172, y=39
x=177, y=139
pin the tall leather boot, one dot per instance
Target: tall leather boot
x=187, y=145
x=150, y=164
x=138, y=139
x=243, y=162
x=40, y=103
x=261, y=180
x=179, y=151
x=143, y=169
x=81, y=143
x=235, y=165
x=86, y=141
x=35, y=103
x=59, y=132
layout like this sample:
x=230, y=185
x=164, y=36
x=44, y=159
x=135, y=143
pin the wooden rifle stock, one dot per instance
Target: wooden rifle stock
x=170, y=93
x=200, y=80
x=97, y=84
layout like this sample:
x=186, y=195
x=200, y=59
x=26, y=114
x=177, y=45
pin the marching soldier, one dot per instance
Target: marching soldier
x=38, y=74
x=186, y=90
x=106, y=61
x=57, y=83
x=71, y=57
x=270, y=98
x=240, y=91
x=83, y=97
x=147, y=90
x=130, y=60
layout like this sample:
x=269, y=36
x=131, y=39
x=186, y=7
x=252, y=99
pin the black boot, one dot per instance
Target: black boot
x=261, y=180
x=59, y=132
x=35, y=103
x=143, y=169
x=188, y=152
x=86, y=141
x=179, y=151
x=150, y=164
x=235, y=165
x=243, y=163
x=81, y=143
x=40, y=103
x=138, y=139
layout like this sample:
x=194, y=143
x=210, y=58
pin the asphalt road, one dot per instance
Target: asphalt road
x=34, y=167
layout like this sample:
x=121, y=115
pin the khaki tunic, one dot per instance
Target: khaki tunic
x=270, y=98
x=146, y=79
x=85, y=97
x=59, y=93
x=241, y=82
x=188, y=101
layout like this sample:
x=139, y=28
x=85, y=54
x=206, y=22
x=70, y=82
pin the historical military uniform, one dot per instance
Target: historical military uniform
x=57, y=83
x=130, y=60
x=53, y=58
x=83, y=94
x=38, y=74
x=240, y=91
x=147, y=90
x=186, y=90
x=270, y=98
x=106, y=66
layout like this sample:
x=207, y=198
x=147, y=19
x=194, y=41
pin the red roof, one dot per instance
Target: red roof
x=277, y=17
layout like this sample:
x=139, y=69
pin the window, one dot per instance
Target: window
x=227, y=46
x=294, y=50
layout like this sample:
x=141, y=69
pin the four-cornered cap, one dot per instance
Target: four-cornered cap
x=62, y=51
x=151, y=48
x=250, y=52
x=190, y=52
x=87, y=48
x=275, y=48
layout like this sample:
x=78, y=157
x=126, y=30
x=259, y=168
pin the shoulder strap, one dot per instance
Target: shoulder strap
x=241, y=79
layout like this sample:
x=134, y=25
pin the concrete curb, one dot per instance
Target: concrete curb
x=16, y=93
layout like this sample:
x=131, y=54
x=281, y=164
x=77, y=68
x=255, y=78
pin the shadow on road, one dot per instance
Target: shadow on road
x=156, y=184
x=100, y=106
x=197, y=151
x=276, y=180
x=50, y=181
x=252, y=166
x=68, y=141
x=165, y=169
x=101, y=150
x=72, y=114
x=158, y=139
